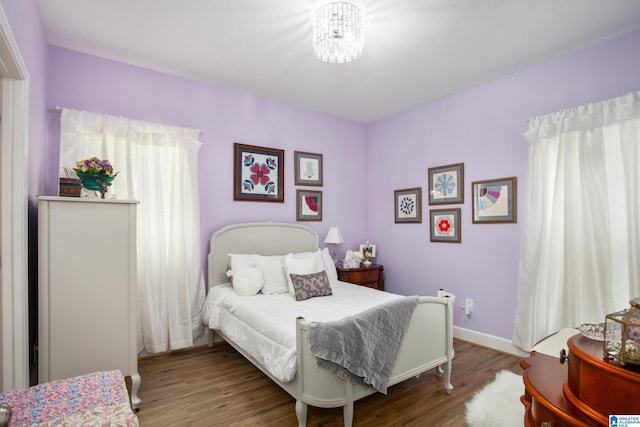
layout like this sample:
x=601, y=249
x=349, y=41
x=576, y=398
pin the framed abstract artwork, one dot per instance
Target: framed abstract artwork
x=446, y=184
x=308, y=168
x=308, y=205
x=494, y=201
x=258, y=173
x=445, y=225
x=408, y=205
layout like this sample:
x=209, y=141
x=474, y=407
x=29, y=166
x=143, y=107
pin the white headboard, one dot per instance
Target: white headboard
x=262, y=238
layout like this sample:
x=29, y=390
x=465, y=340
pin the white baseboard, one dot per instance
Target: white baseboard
x=486, y=340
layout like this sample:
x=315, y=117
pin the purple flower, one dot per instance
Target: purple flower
x=94, y=166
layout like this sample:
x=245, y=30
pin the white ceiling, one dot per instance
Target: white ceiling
x=415, y=50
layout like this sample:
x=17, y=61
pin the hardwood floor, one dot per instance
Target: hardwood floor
x=217, y=387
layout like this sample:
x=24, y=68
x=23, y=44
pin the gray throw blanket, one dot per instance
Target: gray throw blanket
x=363, y=348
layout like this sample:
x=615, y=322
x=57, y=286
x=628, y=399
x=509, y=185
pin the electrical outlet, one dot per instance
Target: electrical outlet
x=468, y=306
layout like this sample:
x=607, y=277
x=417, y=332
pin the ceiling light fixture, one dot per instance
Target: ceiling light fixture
x=337, y=32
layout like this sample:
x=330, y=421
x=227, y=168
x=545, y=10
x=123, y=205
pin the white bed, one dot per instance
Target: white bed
x=427, y=344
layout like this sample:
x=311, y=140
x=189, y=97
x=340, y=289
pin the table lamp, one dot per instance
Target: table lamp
x=334, y=237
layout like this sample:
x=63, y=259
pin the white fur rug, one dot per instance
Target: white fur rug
x=498, y=403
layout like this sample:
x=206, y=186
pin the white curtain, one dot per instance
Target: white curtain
x=158, y=166
x=580, y=252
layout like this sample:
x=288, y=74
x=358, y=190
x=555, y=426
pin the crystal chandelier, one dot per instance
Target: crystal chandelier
x=337, y=32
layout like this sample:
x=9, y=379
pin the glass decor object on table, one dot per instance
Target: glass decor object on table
x=593, y=331
x=622, y=334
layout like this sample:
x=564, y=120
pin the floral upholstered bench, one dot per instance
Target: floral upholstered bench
x=97, y=399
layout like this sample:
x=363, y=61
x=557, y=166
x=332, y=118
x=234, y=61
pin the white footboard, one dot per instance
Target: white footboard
x=428, y=344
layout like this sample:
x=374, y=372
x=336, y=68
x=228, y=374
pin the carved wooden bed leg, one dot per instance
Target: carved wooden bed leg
x=440, y=370
x=347, y=410
x=448, y=387
x=135, y=387
x=301, y=413
x=347, y=413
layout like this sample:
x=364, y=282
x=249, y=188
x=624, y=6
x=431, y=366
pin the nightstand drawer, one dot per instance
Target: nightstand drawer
x=371, y=277
x=364, y=276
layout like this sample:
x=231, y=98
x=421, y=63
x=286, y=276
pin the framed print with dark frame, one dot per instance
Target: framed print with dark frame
x=445, y=225
x=368, y=247
x=495, y=201
x=446, y=184
x=258, y=173
x=308, y=168
x=308, y=205
x=408, y=205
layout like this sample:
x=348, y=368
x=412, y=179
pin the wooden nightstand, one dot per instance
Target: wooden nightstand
x=371, y=277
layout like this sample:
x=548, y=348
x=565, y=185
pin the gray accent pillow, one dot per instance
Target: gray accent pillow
x=311, y=285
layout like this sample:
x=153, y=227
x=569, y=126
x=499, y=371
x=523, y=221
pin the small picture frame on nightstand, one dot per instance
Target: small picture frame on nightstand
x=368, y=247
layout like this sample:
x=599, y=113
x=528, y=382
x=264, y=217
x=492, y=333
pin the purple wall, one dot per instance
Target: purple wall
x=85, y=82
x=26, y=26
x=481, y=127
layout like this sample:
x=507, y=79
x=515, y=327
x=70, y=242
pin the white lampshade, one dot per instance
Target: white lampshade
x=334, y=236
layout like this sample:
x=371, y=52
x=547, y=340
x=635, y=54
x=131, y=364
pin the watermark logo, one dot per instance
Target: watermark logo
x=624, y=420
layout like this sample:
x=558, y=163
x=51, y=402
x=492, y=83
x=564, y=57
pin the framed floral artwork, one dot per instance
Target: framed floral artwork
x=445, y=225
x=446, y=184
x=308, y=205
x=258, y=173
x=494, y=201
x=308, y=168
x=408, y=205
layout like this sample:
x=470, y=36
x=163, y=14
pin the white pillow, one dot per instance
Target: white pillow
x=242, y=261
x=300, y=265
x=275, y=280
x=329, y=265
x=302, y=254
x=317, y=254
x=248, y=282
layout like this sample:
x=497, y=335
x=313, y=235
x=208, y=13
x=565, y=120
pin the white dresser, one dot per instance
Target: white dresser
x=87, y=288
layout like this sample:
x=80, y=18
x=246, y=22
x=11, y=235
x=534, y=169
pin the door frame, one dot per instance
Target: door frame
x=14, y=199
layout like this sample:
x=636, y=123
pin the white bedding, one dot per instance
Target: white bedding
x=265, y=325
